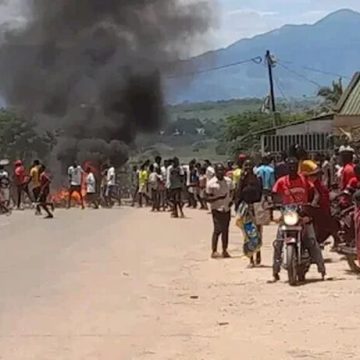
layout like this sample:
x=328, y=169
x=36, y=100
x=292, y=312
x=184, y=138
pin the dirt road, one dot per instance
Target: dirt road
x=127, y=284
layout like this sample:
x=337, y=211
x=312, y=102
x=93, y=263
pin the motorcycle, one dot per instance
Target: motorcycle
x=347, y=246
x=296, y=259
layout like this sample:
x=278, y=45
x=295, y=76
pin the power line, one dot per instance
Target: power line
x=324, y=72
x=256, y=60
x=299, y=75
x=278, y=85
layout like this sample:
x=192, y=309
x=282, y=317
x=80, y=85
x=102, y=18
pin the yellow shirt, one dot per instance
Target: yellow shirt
x=35, y=176
x=236, y=176
x=143, y=177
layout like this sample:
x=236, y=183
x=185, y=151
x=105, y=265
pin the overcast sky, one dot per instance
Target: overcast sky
x=246, y=18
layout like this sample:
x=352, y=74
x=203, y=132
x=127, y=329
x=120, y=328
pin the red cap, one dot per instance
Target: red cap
x=242, y=157
x=18, y=163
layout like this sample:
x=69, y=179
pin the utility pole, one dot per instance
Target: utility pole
x=270, y=63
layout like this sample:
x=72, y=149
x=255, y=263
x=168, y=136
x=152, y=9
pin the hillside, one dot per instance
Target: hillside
x=331, y=45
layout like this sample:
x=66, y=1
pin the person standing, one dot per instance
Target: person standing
x=347, y=161
x=210, y=171
x=4, y=190
x=219, y=193
x=239, y=166
x=134, y=184
x=45, y=181
x=176, y=181
x=154, y=187
x=281, y=168
x=143, y=184
x=110, y=185
x=91, y=196
x=202, y=188
x=21, y=182
x=267, y=175
x=75, y=173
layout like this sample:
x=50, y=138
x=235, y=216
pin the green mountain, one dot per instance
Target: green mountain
x=307, y=56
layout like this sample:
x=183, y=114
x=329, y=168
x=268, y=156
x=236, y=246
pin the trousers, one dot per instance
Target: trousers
x=309, y=242
x=221, y=222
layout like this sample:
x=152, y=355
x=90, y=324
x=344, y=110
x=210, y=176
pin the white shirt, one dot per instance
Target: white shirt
x=90, y=184
x=186, y=169
x=219, y=188
x=75, y=175
x=153, y=180
x=163, y=172
x=210, y=172
x=111, y=176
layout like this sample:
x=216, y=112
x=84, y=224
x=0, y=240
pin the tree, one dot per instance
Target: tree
x=242, y=132
x=331, y=95
x=20, y=140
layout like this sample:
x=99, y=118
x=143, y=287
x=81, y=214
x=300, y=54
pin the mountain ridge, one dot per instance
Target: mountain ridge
x=331, y=45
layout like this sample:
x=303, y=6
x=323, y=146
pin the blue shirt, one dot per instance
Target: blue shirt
x=267, y=175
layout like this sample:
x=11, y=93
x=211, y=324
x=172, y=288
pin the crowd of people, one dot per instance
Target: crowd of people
x=250, y=190
x=32, y=186
x=246, y=188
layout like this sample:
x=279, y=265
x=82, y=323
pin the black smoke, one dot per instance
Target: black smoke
x=91, y=69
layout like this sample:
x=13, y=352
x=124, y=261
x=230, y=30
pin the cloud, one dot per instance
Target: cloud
x=251, y=11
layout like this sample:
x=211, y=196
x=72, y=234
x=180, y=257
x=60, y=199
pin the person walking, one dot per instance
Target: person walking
x=45, y=182
x=35, y=181
x=219, y=193
x=75, y=173
x=249, y=197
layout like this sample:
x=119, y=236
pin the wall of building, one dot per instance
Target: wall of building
x=346, y=122
x=315, y=126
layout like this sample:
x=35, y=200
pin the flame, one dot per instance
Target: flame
x=60, y=198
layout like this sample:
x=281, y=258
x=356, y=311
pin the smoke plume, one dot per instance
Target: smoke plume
x=92, y=68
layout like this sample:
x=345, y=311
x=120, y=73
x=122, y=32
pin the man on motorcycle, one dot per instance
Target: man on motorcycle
x=296, y=189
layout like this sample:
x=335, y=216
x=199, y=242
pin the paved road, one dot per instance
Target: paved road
x=128, y=284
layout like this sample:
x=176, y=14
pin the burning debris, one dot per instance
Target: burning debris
x=91, y=69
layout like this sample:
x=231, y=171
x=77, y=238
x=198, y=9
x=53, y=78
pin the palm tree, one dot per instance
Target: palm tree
x=331, y=95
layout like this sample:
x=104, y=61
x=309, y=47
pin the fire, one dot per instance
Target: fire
x=60, y=198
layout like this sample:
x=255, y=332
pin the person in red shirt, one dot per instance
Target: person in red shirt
x=347, y=171
x=45, y=182
x=21, y=182
x=325, y=225
x=293, y=188
x=296, y=189
x=354, y=183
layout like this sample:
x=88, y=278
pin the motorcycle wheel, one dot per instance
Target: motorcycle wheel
x=291, y=265
x=353, y=263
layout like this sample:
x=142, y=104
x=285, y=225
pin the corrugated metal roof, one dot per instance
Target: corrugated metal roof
x=350, y=102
